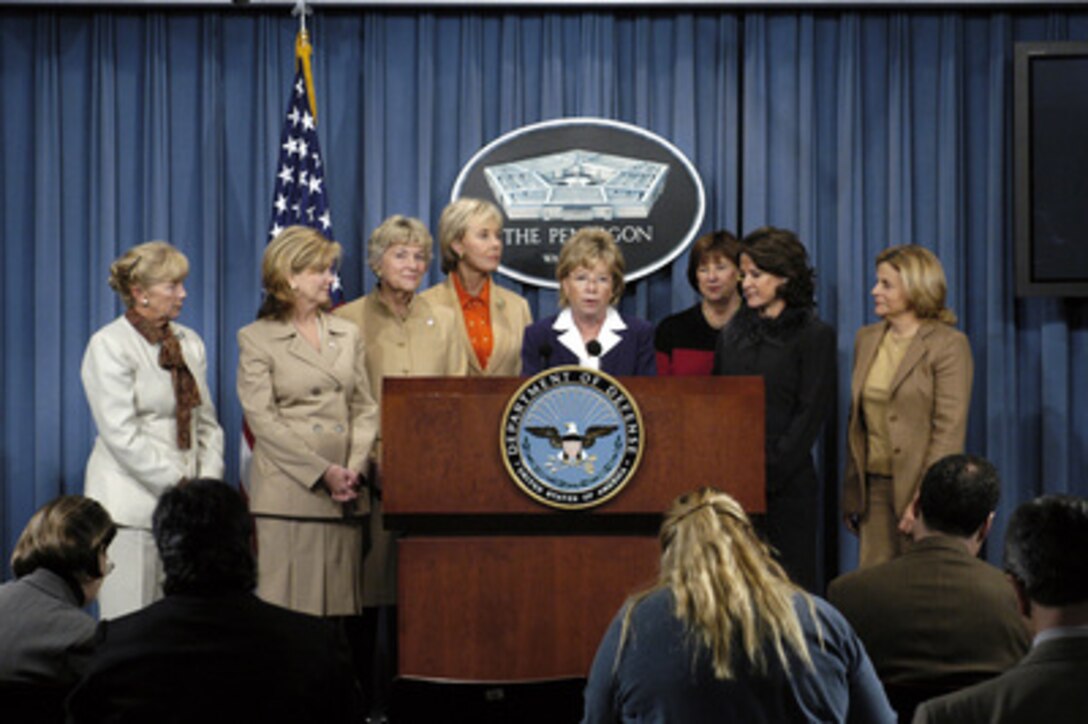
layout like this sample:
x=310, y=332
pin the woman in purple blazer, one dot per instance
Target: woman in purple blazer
x=589, y=331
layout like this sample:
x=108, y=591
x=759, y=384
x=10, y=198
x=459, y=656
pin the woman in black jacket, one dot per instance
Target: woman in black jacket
x=778, y=337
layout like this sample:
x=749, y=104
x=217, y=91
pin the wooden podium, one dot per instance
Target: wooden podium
x=495, y=587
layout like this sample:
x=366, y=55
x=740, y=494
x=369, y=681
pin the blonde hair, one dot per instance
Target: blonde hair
x=454, y=222
x=395, y=230
x=65, y=536
x=728, y=588
x=923, y=280
x=589, y=245
x=145, y=265
x=293, y=251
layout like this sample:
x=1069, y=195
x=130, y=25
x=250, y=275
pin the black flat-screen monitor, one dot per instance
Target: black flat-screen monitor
x=1050, y=133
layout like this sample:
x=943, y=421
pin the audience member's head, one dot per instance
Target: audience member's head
x=958, y=495
x=1045, y=550
x=68, y=536
x=204, y=536
x=728, y=588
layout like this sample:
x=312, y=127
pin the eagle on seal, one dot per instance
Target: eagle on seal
x=571, y=444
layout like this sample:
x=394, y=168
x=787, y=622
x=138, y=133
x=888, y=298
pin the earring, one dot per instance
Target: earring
x=145, y=301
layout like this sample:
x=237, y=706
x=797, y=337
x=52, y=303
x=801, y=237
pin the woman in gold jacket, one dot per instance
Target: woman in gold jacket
x=909, y=396
x=404, y=336
x=303, y=386
x=490, y=320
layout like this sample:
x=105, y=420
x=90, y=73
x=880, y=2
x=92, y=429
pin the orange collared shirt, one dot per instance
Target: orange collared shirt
x=477, y=311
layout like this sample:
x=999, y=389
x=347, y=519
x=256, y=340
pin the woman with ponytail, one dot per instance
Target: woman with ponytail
x=725, y=636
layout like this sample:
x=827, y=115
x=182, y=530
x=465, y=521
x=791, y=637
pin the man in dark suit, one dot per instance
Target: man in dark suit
x=938, y=616
x=211, y=651
x=1045, y=558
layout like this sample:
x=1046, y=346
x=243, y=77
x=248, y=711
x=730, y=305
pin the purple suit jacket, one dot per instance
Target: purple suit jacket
x=634, y=355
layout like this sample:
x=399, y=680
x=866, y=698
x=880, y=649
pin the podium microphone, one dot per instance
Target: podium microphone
x=593, y=348
x=545, y=352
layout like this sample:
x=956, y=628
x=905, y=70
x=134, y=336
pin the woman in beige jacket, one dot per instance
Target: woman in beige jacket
x=909, y=397
x=404, y=336
x=490, y=320
x=303, y=386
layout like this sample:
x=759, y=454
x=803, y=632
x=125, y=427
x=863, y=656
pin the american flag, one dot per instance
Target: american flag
x=300, y=196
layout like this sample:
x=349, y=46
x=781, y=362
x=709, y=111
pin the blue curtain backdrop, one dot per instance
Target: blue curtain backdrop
x=859, y=129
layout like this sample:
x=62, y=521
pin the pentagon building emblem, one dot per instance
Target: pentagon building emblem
x=551, y=178
x=571, y=437
x=577, y=185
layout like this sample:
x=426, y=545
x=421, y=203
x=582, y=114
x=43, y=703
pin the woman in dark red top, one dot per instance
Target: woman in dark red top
x=685, y=341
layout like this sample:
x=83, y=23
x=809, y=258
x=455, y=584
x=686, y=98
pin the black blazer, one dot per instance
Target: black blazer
x=796, y=357
x=224, y=658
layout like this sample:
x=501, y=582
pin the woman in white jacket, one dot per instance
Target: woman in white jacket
x=145, y=380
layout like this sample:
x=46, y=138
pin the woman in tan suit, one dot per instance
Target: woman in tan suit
x=304, y=389
x=490, y=319
x=404, y=336
x=909, y=394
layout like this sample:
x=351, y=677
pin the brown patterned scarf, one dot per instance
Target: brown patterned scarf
x=186, y=393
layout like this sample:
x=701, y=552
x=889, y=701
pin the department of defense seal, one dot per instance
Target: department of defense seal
x=571, y=437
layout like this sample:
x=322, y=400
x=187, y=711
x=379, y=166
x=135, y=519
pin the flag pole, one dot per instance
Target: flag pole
x=303, y=51
x=301, y=10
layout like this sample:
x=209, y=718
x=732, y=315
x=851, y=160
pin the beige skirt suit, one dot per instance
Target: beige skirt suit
x=509, y=317
x=307, y=410
x=423, y=344
x=926, y=418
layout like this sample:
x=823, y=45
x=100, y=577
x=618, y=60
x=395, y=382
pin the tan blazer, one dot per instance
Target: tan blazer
x=927, y=413
x=425, y=344
x=509, y=318
x=307, y=410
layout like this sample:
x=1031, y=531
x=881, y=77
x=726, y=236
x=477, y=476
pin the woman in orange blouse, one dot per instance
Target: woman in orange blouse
x=490, y=318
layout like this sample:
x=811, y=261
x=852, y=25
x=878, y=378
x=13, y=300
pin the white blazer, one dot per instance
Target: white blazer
x=136, y=456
